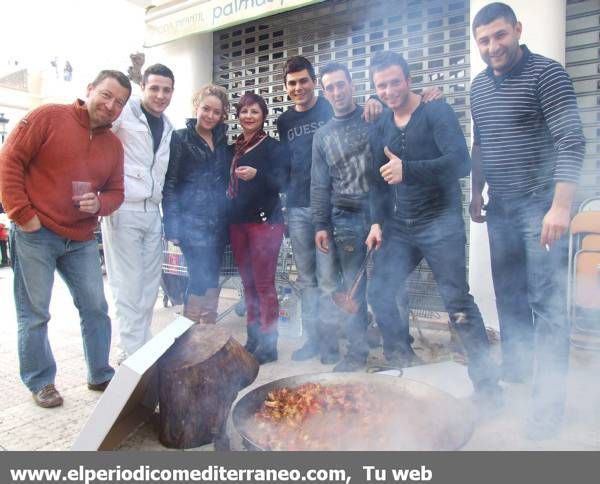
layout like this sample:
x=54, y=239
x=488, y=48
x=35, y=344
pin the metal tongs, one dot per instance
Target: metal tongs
x=345, y=300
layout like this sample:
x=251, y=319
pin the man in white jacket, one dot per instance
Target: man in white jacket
x=132, y=234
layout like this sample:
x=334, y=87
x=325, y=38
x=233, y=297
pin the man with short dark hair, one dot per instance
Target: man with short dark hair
x=296, y=128
x=340, y=207
x=317, y=271
x=132, y=235
x=419, y=155
x=53, y=147
x=529, y=148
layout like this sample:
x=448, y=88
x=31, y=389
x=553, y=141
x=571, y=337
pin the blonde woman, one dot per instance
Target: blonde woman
x=194, y=199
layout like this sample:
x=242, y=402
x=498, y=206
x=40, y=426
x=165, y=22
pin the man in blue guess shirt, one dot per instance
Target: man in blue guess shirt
x=317, y=271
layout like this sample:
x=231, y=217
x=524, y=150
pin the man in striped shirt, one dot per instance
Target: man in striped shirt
x=529, y=148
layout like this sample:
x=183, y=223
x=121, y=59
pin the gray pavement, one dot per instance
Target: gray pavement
x=24, y=426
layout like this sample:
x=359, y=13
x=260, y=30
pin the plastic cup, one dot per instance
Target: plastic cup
x=80, y=188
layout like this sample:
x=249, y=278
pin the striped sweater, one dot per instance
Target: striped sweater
x=527, y=126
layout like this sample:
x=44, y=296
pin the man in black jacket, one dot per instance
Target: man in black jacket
x=419, y=155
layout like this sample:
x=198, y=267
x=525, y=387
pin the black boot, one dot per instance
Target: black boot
x=266, y=350
x=252, y=330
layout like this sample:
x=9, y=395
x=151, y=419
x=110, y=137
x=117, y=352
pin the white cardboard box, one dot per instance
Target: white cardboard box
x=131, y=397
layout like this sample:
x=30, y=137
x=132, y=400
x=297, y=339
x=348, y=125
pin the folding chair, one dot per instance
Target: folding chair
x=583, y=296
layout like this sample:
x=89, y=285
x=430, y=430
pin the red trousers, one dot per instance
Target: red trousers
x=255, y=249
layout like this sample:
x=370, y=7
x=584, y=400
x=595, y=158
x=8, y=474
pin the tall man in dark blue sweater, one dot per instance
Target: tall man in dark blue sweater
x=529, y=148
x=419, y=154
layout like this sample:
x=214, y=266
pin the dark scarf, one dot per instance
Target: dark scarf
x=240, y=148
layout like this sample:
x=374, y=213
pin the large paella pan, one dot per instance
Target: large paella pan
x=351, y=411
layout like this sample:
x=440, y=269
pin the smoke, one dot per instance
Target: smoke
x=361, y=416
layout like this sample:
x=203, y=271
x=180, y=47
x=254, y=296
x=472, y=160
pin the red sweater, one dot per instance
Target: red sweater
x=51, y=147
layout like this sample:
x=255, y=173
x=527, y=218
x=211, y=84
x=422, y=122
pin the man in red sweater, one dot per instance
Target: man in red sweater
x=53, y=146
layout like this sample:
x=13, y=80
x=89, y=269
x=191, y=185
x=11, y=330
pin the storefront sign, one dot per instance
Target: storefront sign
x=167, y=23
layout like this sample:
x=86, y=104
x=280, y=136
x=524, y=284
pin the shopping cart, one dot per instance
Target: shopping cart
x=288, y=293
x=230, y=279
x=286, y=273
x=174, y=279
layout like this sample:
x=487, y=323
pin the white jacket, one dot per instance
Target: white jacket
x=144, y=170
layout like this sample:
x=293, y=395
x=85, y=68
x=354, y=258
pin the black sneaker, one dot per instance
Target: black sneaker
x=309, y=350
x=351, y=364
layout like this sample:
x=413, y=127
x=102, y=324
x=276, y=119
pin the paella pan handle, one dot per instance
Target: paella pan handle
x=380, y=368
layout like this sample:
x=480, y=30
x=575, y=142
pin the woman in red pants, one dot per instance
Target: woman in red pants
x=258, y=173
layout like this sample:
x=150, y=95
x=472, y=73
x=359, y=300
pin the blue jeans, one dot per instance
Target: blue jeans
x=350, y=230
x=36, y=255
x=530, y=287
x=203, y=266
x=441, y=242
x=317, y=272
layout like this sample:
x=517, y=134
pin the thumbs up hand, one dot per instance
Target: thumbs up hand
x=392, y=170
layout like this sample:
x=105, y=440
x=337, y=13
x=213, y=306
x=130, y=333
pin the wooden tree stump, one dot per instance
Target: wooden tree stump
x=199, y=379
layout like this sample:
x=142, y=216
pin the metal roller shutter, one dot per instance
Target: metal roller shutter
x=432, y=35
x=583, y=65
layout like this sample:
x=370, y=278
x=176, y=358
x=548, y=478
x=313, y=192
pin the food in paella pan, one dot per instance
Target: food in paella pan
x=346, y=416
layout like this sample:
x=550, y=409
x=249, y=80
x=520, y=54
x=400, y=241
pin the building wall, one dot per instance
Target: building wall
x=91, y=34
x=433, y=36
x=544, y=32
x=583, y=65
x=191, y=60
